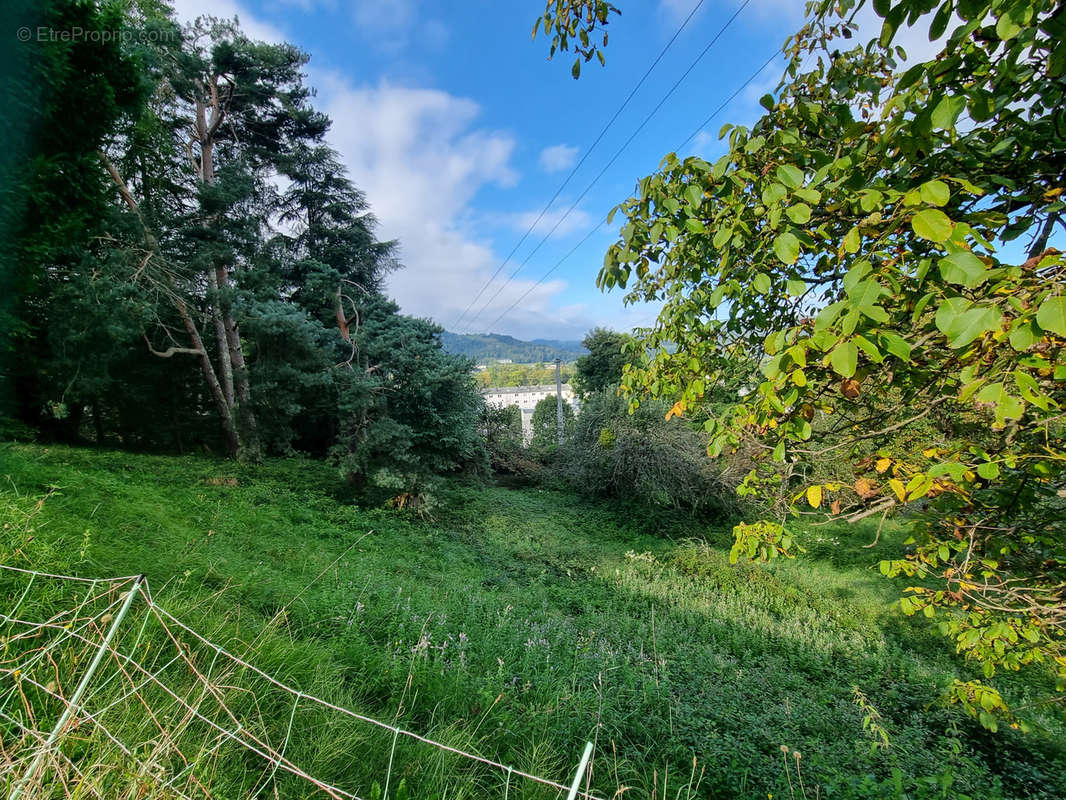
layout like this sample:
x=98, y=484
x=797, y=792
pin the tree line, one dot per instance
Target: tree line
x=190, y=267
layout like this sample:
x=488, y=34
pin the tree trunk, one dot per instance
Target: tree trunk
x=98, y=423
x=236, y=387
x=225, y=410
x=225, y=363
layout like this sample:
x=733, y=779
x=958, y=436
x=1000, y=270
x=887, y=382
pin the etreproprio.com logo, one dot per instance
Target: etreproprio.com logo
x=92, y=35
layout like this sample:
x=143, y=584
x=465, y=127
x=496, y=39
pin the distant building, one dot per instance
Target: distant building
x=526, y=398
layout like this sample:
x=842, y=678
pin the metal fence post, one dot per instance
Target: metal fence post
x=75, y=698
x=580, y=772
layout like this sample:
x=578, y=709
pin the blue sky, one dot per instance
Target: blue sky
x=459, y=130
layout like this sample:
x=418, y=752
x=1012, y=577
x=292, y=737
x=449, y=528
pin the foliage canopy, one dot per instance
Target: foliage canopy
x=862, y=238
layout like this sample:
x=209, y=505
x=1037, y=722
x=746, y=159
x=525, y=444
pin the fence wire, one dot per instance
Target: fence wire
x=104, y=693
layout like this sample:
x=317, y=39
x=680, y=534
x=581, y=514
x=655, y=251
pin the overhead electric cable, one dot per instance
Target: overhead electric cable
x=589, y=235
x=728, y=100
x=617, y=154
x=587, y=153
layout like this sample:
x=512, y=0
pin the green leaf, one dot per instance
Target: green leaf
x=963, y=268
x=762, y=283
x=989, y=470
x=870, y=349
x=796, y=288
x=1051, y=316
x=1007, y=27
x=932, y=225
x=852, y=240
x=896, y=345
x=787, y=247
x=947, y=111
x=962, y=322
x=790, y=175
x=935, y=193
x=694, y=195
x=845, y=359
x=773, y=194
x=576, y=69
x=1023, y=335
x=799, y=213
x=865, y=293
x=1007, y=406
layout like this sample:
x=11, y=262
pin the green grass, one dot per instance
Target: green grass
x=519, y=623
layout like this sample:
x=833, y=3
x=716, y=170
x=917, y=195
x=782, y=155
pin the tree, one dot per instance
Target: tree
x=182, y=281
x=857, y=236
x=49, y=220
x=642, y=457
x=502, y=429
x=545, y=424
x=609, y=352
x=193, y=170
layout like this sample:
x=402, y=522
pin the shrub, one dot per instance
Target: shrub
x=642, y=457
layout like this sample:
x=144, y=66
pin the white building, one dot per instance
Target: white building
x=526, y=398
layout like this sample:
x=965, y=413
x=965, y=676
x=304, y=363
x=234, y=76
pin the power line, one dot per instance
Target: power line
x=587, y=153
x=589, y=235
x=544, y=277
x=728, y=100
x=618, y=153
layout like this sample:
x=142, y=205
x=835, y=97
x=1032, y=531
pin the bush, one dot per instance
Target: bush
x=502, y=431
x=643, y=457
x=12, y=430
x=545, y=423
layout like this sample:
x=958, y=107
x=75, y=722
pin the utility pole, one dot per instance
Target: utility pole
x=559, y=401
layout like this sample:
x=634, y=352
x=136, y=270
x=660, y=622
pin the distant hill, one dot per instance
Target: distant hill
x=495, y=345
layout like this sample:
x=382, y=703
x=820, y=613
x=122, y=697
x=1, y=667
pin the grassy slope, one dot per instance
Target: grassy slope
x=570, y=613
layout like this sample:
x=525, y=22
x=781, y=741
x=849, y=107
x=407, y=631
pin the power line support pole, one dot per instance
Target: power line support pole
x=559, y=402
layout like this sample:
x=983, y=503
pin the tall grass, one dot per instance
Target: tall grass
x=516, y=625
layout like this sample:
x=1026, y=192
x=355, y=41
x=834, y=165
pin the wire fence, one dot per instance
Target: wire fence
x=106, y=694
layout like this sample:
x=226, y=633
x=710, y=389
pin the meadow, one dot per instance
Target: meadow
x=517, y=623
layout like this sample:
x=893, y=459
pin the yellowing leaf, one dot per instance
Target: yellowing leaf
x=814, y=496
x=882, y=464
x=677, y=410
x=898, y=488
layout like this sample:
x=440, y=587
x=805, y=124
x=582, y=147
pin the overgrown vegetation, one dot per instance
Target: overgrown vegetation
x=529, y=622
x=215, y=280
x=860, y=244
x=645, y=459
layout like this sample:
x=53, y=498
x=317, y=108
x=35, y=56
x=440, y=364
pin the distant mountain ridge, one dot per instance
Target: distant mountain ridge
x=497, y=345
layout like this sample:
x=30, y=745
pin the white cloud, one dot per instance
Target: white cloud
x=385, y=14
x=572, y=322
x=558, y=157
x=188, y=10
x=421, y=158
x=421, y=161
x=395, y=26
x=557, y=223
